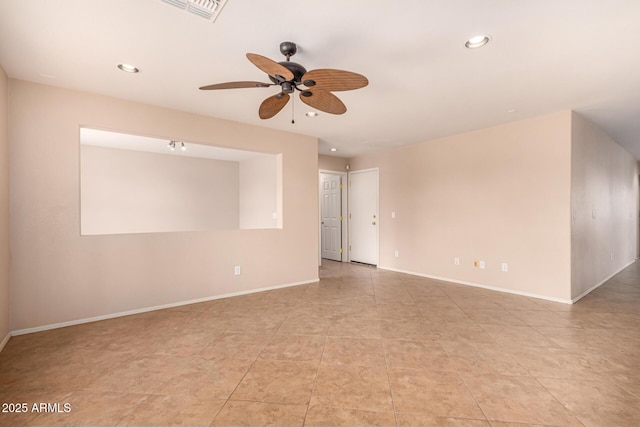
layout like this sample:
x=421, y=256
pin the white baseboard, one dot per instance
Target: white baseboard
x=478, y=285
x=5, y=341
x=147, y=309
x=585, y=293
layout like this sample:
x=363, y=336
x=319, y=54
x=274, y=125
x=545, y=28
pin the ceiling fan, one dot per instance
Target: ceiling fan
x=315, y=86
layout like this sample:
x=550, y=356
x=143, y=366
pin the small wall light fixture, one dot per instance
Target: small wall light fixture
x=172, y=145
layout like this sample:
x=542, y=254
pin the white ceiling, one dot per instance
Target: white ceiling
x=545, y=56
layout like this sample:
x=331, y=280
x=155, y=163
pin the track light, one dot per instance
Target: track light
x=172, y=146
x=183, y=147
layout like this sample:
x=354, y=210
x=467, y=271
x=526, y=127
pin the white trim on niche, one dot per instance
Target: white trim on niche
x=147, y=309
x=477, y=285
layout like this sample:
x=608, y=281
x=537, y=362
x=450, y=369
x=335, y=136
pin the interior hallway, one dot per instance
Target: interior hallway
x=361, y=347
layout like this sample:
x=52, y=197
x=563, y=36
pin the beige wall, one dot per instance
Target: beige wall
x=4, y=210
x=259, y=188
x=499, y=195
x=126, y=191
x=332, y=163
x=604, y=207
x=59, y=276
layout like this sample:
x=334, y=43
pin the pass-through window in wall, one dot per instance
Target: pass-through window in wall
x=136, y=184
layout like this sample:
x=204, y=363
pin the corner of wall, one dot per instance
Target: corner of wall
x=604, y=207
x=4, y=209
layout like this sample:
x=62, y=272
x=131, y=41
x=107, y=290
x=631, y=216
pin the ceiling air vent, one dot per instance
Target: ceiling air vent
x=207, y=9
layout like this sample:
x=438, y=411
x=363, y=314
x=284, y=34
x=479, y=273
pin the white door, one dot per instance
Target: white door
x=363, y=216
x=330, y=211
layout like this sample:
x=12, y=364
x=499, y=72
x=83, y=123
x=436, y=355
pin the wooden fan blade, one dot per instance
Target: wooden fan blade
x=334, y=80
x=235, y=85
x=323, y=101
x=269, y=66
x=272, y=105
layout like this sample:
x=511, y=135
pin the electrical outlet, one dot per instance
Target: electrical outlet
x=397, y=253
x=456, y=261
x=236, y=270
x=505, y=267
x=482, y=265
x=393, y=215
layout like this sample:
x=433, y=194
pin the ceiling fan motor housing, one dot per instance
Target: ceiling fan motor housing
x=297, y=70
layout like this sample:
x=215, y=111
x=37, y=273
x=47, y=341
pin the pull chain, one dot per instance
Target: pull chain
x=293, y=101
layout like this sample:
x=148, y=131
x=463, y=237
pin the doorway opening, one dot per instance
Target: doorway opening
x=333, y=224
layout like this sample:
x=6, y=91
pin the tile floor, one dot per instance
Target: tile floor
x=362, y=347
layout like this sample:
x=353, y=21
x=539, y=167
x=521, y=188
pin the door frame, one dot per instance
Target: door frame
x=377, y=171
x=343, y=211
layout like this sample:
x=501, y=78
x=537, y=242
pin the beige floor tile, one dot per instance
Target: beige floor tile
x=398, y=311
x=94, y=408
x=355, y=327
x=440, y=394
x=597, y=403
x=354, y=351
x=429, y=303
x=352, y=387
x=173, y=410
x=507, y=424
x=205, y=379
x=277, y=382
x=452, y=350
x=295, y=348
x=493, y=317
x=27, y=415
x=517, y=336
x=263, y=324
x=145, y=374
x=410, y=329
x=632, y=386
x=301, y=324
x=235, y=346
x=423, y=355
x=463, y=331
x=429, y=420
x=575, y=338
x=482, y=359
x=518, y=399
x=331, y=416
x=477, y=303
x=543, y=318
x=556, y=363
x=240, y=413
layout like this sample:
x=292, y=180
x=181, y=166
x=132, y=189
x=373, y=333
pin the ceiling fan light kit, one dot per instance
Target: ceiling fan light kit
x=315, y=86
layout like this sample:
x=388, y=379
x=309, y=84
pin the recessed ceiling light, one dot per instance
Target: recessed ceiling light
x=334, y=150
x=128, y=68
x=511, y=111
x=311, y=114
x=477, y=41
